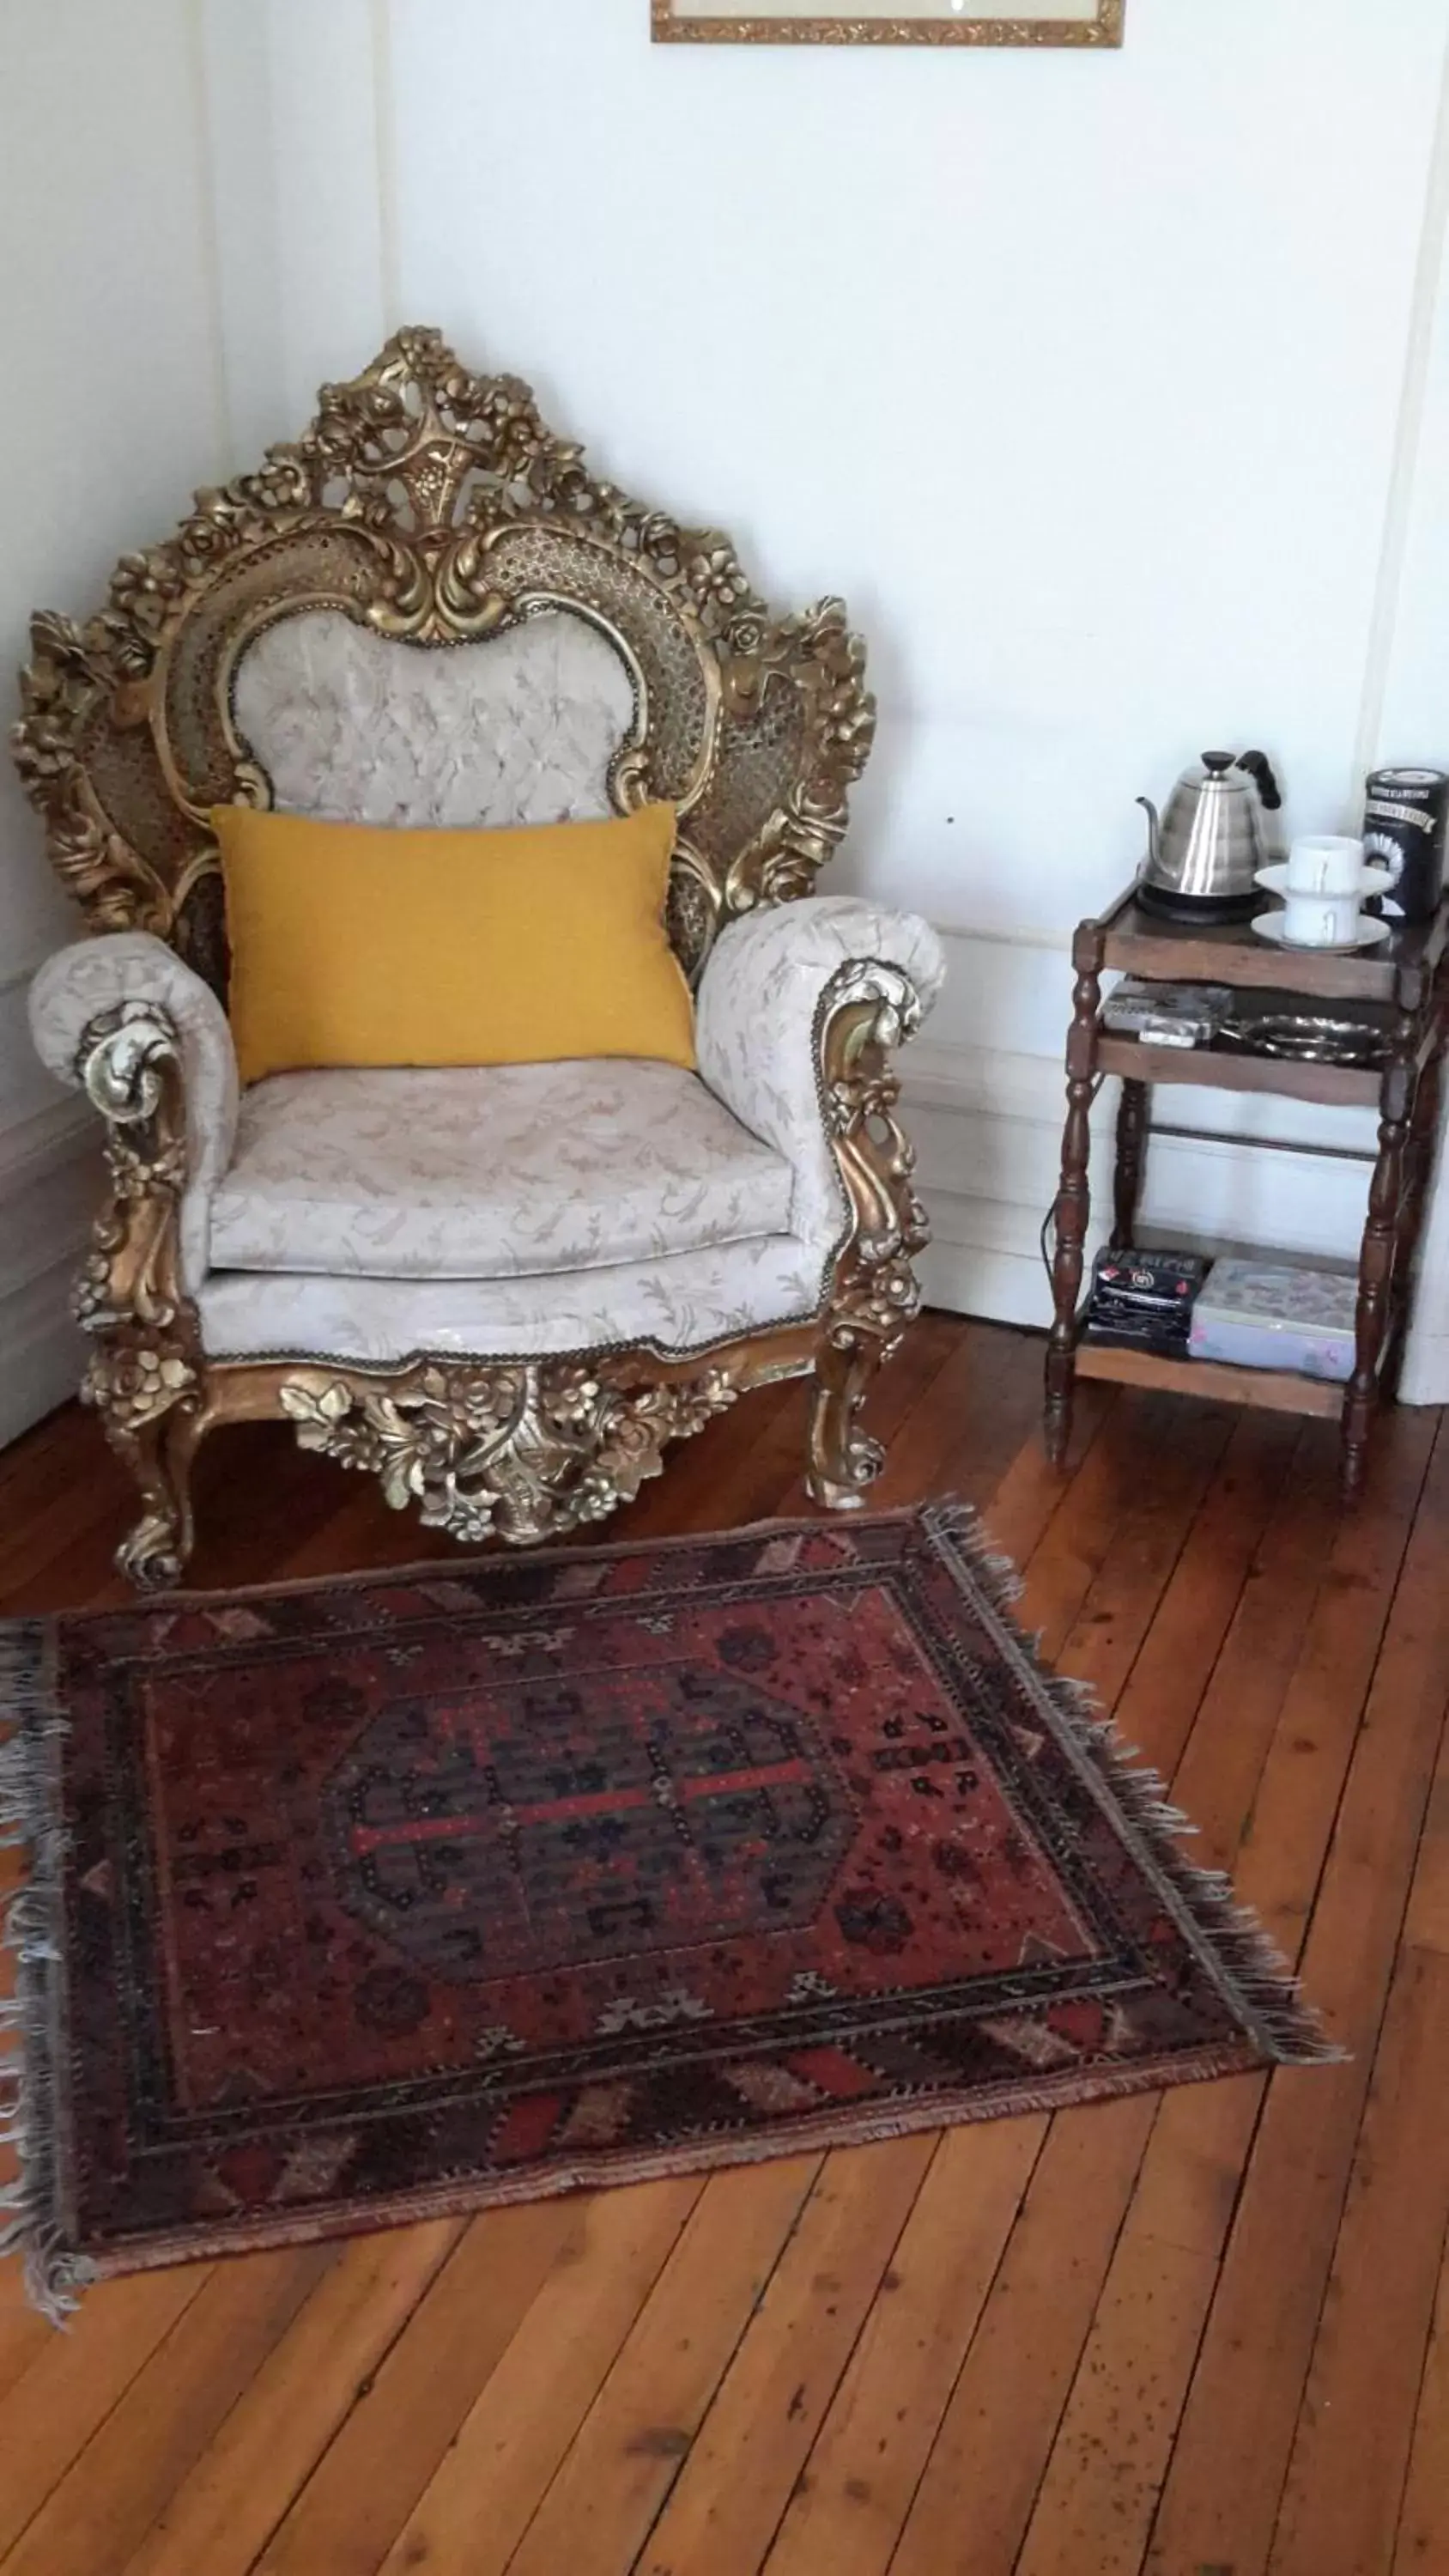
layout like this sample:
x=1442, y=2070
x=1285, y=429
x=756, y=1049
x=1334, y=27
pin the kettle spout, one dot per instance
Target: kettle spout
x=1154, y=831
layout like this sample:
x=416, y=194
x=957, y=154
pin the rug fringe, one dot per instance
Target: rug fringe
x=1256, y=1983
x=31, y=1916
x=1260, y=1982
x=961, y=1525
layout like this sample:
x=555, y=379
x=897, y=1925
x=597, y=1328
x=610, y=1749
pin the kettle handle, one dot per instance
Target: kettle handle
x=1260, y=769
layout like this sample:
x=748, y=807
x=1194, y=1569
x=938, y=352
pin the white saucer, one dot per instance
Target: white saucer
x=1372, y=881
x=1269, y=925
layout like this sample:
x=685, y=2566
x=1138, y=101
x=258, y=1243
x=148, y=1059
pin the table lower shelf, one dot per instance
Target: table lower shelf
x=1273, y=1390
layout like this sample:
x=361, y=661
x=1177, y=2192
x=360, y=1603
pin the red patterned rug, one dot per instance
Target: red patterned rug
x=368, y=1900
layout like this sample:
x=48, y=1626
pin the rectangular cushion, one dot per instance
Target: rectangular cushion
x=354, y=944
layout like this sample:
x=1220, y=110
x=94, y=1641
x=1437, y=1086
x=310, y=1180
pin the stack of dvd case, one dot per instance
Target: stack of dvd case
x=1144, y=1300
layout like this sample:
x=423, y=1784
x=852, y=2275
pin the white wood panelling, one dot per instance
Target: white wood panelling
x=1407, y=694
x=49, y=1183
x=109, y=304
x=1147, y=471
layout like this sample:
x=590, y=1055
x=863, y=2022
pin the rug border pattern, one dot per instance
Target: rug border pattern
x=1254, y=1981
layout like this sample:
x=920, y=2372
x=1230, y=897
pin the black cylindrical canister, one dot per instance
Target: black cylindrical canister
x=1404, y=825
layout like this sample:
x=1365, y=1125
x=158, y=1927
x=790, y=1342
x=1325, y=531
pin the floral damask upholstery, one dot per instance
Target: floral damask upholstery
x=557, y=1207
x=520, y=729
x=502, y=1290
x=757, y=1034
x=488, y=1172
x=692, y=1303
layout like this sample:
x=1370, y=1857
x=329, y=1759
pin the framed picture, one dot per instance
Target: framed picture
x=882, y=22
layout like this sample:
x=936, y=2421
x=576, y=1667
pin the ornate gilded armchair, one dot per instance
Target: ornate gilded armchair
x=501, y=1290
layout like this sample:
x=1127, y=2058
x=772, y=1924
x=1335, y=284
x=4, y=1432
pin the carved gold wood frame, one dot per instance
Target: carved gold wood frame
x=436, y=507
x=518, y=1448
x=798, y=25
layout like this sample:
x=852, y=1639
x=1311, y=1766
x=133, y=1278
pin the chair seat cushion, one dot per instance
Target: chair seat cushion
x=492, y=1172
x=683, y=1305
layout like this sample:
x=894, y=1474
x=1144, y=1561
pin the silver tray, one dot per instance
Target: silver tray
x=1306, y=1037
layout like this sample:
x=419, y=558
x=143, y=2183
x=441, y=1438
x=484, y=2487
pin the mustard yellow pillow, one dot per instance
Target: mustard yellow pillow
x=352, y=944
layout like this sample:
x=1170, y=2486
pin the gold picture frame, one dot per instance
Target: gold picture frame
x=943, y=22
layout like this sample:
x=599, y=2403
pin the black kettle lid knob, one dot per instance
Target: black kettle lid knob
x=1218, y=763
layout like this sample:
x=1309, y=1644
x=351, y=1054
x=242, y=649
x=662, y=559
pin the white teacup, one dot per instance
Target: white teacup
x=1325, y=863
x=1319, y=920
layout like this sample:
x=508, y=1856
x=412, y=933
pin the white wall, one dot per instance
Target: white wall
x=1080, y=374
x=1108, y=388
x=1406, y=699
x=111, y=415
x=1096, y=382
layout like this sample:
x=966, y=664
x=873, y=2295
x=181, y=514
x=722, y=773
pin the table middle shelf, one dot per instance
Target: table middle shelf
x=1340, y=1086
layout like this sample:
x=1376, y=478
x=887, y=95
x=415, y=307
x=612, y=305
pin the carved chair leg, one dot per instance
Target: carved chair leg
x=144, y=1372
x=843, y=1459
x=159, y=1454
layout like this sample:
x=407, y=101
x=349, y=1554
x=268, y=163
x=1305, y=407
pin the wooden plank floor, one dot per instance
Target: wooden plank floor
x=1204, y=2333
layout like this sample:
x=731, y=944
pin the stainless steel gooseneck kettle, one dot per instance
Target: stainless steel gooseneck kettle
x=1206, y=849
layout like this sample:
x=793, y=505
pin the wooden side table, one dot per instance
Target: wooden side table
x=1406, y=973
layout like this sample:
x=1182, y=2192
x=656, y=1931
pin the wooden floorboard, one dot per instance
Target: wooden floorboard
x=1198, y=2334
x=1350, y=1773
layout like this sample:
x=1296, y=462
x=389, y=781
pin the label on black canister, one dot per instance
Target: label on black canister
x=1404, y=823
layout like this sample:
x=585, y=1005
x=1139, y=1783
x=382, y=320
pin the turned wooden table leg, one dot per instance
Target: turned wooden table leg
x=1423, y=1141
x=1131, y=1155
x=1378, y=1259
x=1418, y=1172
x=1074, y=1198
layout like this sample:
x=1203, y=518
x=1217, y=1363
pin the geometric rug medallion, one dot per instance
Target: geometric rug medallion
x=366, y=1900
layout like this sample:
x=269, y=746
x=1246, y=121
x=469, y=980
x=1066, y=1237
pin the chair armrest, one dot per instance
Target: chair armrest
x=773, y=985
x=122, y=1018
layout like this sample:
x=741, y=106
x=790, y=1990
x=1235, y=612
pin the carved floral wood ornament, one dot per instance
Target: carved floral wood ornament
x=435, y=508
